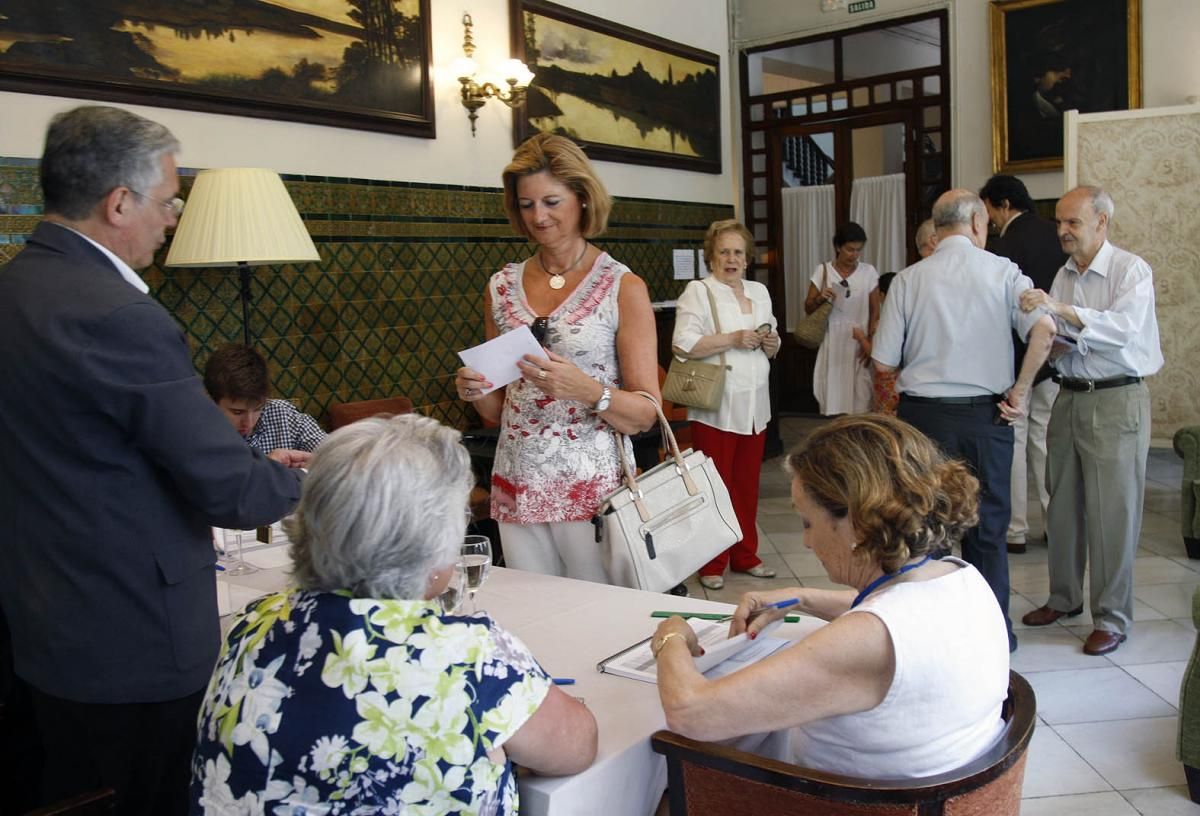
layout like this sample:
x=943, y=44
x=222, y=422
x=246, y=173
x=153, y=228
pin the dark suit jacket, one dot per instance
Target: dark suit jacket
x=114, y=464
x=1031, y=242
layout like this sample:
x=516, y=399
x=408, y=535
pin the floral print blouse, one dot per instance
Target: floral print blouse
x=326, y=704
x=556, y=459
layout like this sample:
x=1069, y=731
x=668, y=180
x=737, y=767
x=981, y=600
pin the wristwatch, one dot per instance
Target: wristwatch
x=604, y=401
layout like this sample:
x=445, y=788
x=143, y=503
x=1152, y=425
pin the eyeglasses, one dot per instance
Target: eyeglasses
x=539, y=329
x=845, y=285
x=174, y=206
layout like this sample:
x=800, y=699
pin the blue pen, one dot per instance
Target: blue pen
x=221, y=567
x=777, y=605
x=780, y=604
x=564, y=681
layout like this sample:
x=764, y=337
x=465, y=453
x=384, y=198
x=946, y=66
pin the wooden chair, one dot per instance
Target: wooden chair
x=95, y=803
x=347, y=412
x=704, y=778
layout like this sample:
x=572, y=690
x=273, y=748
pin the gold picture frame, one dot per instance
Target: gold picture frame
x=323, y=63
x=1049, y=56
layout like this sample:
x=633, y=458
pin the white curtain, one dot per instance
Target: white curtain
x=877, y=205
x=807, y=241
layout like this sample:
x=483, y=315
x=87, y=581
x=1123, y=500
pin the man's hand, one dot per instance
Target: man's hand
x=1014, y=404
x=290, y=458
x=863, y=352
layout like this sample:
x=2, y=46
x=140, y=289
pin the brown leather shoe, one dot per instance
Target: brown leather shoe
x=1044, y=616
x=1101, y=642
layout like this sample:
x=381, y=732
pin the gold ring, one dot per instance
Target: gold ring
x=541, y=374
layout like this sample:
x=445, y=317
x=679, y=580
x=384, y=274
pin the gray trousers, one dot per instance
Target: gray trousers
x=1096, y=471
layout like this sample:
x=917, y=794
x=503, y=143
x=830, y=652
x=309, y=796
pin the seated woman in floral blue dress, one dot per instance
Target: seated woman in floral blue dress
x=355, y=693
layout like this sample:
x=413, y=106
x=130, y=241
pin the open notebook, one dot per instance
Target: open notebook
x=722, y=655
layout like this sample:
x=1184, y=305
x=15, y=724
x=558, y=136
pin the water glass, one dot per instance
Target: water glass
x=239, y=565
x=474, y=559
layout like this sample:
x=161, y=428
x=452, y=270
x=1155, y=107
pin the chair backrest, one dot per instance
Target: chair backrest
x=704, y=778
x=95, y=803
x=347, y=412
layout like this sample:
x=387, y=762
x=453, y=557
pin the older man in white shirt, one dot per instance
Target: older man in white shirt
x=1099, y=435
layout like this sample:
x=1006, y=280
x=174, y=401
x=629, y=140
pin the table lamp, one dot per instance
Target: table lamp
x=241, y=217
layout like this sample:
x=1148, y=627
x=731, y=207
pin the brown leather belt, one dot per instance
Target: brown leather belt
x=1073, y=384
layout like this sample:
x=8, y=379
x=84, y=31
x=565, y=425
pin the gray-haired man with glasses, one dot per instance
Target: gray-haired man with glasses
x=116, y=464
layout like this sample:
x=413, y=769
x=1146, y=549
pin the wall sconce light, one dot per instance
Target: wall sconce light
x=475, y=93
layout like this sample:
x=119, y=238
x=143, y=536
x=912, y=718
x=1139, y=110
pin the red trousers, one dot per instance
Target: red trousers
x=738, y=458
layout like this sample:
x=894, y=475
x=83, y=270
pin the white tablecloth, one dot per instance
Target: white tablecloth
x=569, y=626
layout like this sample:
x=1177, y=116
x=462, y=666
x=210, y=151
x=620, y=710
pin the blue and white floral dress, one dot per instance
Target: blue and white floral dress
x=326, y=704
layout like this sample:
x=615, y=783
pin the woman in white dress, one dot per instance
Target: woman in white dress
x=842, y=378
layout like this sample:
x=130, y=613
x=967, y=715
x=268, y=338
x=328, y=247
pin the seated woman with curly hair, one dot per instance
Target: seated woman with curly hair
x=909, y=676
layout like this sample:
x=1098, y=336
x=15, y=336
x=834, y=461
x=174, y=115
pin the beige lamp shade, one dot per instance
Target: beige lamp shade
x=240, y=215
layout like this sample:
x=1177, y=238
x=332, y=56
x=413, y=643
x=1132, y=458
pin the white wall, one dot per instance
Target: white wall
x=211, y=140
x=1170, y=64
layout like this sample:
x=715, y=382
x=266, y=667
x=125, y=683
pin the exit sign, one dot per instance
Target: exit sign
x=861, y=5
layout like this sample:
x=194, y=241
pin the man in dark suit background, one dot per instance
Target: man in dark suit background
x=1031, y=242
x=114, y=467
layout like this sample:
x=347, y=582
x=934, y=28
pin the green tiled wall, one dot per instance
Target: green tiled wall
x=398, y=289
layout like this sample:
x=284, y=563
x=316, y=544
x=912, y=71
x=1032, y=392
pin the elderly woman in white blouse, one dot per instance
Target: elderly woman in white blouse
x=732, y=435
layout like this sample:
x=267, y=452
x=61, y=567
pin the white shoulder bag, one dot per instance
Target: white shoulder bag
x=662, y=526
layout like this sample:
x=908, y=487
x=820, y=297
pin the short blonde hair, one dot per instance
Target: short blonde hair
x=718, y=228
x=567, y=162
x=903, y=497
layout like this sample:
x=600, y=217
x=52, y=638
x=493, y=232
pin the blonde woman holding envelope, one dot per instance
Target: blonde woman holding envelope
x=556, y=454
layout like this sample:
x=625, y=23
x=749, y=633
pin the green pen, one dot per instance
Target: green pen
x=710, y=615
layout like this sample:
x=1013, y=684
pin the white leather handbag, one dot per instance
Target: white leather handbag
x=662, y=526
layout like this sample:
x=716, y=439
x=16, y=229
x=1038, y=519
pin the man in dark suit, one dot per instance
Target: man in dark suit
x=1031, y=242
x=115, y=464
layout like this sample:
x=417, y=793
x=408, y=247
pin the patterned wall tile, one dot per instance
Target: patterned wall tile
x=398, y=289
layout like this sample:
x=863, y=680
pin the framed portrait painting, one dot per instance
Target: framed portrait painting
x=361, y=64
x=623, y=94
x=1051, y=56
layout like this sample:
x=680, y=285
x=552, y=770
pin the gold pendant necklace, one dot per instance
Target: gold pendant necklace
x=558, y=279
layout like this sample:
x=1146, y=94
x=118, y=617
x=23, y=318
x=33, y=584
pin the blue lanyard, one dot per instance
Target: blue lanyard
x=883, y=579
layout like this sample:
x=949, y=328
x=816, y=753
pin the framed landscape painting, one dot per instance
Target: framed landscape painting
x=623, y=94
x=361, y=64
x=1051, y=56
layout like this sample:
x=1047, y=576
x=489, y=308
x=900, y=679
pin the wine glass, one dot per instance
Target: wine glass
x=452, y=595
x=474, y=559
x=239, y=565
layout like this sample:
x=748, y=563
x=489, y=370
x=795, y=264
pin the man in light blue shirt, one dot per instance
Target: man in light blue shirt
x=947, y=324
x=1099, y=436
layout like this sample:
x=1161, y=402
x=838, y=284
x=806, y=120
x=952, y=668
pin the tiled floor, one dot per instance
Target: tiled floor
x=1104, y=744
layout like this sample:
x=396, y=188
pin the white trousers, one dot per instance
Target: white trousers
x=563, y=548
x=1029, y=458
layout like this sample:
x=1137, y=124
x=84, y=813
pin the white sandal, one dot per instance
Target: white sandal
x=712, y=581
x=759, y=571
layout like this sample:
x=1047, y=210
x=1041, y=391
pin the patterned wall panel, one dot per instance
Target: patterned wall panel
x=1151, y=167
x=398, y=289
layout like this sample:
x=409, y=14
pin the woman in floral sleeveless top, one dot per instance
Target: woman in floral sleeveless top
x=556, y=455
x=355, y=692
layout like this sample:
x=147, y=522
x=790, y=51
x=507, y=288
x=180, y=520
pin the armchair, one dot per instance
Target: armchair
x=705, y=779
x=1187, y=445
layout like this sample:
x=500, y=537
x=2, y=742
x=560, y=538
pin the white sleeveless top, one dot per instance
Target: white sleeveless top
x=943, y=708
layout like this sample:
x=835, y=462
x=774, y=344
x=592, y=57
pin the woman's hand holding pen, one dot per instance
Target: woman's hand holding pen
x=757, y=609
